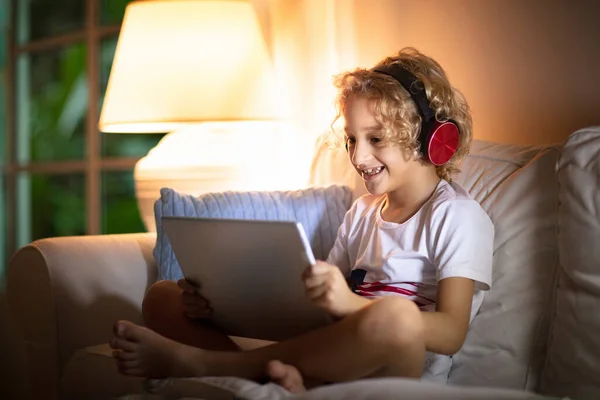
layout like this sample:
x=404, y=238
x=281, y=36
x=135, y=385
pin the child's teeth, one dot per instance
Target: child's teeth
x=372, y=171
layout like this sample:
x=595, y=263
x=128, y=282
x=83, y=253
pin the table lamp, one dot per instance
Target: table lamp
x=199, y=70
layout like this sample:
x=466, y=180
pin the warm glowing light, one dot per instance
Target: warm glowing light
x=178, y=63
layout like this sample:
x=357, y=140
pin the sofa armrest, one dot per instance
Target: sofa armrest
x=65, y=293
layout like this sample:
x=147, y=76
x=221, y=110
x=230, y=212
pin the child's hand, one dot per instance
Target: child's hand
x=327, y=287
x=194, y=305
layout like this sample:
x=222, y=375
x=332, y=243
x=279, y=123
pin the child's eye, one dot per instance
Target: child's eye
x=350, y=141
x=375, y=140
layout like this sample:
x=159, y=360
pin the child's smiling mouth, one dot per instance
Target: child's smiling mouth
x=371, y=173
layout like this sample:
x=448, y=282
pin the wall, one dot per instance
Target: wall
x=530, y=69
x=310, y=41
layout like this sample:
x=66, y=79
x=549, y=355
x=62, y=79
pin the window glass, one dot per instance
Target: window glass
x=3, y=232
x=50, y=205
x=120, y=212
x=4, y=25
x=3, y=115
x=112, y=11
x=52, y=97
x=39, y=19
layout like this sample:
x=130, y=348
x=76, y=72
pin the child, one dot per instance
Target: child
x=424, y=248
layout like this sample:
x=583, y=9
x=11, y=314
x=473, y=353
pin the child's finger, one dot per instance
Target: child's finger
x=187, y=286
x=317, y=291
x=183, y=284
x=193, y=298
x=312, y=281
x=319, y=268
x=306, y=274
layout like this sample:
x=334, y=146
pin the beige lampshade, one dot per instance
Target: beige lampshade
x=180, y=62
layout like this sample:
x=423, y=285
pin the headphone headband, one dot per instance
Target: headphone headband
x=413, y=86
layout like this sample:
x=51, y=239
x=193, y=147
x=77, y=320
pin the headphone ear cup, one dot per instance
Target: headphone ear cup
x=441, y=143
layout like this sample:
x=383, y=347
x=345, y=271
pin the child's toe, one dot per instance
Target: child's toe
x=122, y=344
x=276, y=370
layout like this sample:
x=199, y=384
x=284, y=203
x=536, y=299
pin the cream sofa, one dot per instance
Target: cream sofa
x=538, y=330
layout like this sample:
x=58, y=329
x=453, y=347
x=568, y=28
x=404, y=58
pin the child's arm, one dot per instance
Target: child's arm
x=462, y=251
x=446, y=328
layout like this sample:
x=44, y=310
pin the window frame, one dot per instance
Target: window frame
x=92, y=165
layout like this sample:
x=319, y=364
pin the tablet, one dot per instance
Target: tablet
x=251, y=273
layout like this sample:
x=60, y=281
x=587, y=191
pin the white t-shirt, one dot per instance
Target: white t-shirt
x=450, y=236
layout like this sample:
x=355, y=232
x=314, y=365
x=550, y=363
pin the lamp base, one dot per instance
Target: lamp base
x=194, y=181
x=215, y=158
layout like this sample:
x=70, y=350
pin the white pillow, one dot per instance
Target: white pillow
x=573, y=365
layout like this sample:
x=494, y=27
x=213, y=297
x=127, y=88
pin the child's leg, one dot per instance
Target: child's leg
x=385, y=339
x=162, y=309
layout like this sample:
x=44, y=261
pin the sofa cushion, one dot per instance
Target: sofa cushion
x=92, y=374
x=516, y=185
x=320, y=210
x=227, y=388
x=573, y=364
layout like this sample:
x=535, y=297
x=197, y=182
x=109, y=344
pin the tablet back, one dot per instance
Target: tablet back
x=250, y=272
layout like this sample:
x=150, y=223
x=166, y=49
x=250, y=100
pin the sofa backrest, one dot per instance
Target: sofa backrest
x=517, y=187
x=573, y=362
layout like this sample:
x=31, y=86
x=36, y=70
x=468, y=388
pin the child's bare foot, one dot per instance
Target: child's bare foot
x=142, y=352
x=286, y=376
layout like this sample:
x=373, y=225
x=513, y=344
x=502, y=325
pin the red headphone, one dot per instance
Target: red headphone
x=439, y=140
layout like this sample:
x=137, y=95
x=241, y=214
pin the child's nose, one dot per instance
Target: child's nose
x=360, y=154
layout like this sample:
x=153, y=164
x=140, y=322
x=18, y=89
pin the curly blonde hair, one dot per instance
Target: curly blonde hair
x=395, y=110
